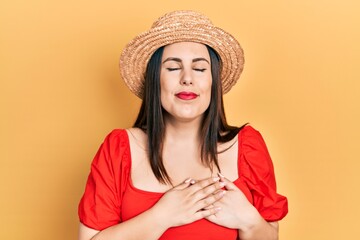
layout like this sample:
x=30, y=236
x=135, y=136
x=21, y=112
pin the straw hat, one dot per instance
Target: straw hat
x=180, y=26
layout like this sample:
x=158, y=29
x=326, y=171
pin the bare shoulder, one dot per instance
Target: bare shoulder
x=138, y=146
x=224, y=146
x=137, y=134
x=142, y=176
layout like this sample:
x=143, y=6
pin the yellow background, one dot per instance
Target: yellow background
x=61, y=93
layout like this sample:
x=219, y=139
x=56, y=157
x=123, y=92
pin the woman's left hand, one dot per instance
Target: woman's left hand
x=235, y=210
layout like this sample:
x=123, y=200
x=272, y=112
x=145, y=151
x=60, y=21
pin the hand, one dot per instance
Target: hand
x=235, y=210
x=186, y=202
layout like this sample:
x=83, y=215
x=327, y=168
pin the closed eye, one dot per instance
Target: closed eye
x=200, y=69
x=172, y=69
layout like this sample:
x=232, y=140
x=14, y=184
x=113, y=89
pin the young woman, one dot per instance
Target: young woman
x=182, y=172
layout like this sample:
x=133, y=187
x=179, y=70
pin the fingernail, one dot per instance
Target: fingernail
x=222, y=184
x=187, y=180
x=217, y=209
x=216, y=179
x=220, y=175
x=192, y=181
x=222, y=193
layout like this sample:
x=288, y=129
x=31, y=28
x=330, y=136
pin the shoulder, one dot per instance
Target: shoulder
x=115, y=139
x=137, y=137
x=254, y=152
x=249, y=131
x=130, y=138
x=113, y=148
x=249, y=136
x=116, y=134
x=138, y=145
x=136, y=133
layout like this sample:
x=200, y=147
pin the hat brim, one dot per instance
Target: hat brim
x=137, y=53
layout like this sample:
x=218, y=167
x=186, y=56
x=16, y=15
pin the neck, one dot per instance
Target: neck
x=184, y=131
x=182, y=143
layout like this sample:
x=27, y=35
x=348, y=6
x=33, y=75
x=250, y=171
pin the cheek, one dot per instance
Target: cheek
x=205, y=86
x=167, y=82
x=166, y=90
x=166, y=93
x=206, y=92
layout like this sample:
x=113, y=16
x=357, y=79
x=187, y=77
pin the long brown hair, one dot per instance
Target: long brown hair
x=150, y=119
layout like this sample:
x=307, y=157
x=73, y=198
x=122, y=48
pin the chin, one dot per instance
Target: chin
x=186, y=117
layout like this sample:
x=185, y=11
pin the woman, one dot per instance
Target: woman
x=182, y=172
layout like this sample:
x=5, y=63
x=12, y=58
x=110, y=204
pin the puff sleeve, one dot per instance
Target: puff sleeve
x=100, y=205
x=256, y=168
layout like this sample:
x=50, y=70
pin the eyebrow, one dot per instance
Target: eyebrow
x=179, y=60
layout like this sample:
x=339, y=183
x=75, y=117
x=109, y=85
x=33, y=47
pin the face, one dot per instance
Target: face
x=185, y=80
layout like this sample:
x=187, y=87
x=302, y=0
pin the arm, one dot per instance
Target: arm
x=150, y=229
x=260, y=229
x=181, y=205
x=260, y=178
x=238, y=213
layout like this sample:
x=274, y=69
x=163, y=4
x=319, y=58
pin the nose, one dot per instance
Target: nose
x=186, y=78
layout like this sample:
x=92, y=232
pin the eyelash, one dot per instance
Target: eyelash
x=196, y=69
x=172, y=69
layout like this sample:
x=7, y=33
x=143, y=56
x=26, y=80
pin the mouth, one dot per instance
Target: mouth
x=186, y=95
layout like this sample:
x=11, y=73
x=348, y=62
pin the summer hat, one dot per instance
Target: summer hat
x=180, y=26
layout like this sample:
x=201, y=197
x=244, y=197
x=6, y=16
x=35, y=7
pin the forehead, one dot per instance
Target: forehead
x=186, y=50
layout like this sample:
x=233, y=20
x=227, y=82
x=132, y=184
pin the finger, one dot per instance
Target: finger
x=228, y=184
x=218, y=191
x=184, y=184
x=206, y=213
x=211, y=189
x=210, y=200
x=209, y=207
x=222, y=177
x=212, y=217
x=207, y=191
x=215, y=204
x=196, y=186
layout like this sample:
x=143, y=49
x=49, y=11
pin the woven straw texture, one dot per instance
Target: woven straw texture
x=180, y=26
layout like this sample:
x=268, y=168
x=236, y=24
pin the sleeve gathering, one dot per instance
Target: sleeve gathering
x=258, y=172
x=100, y=205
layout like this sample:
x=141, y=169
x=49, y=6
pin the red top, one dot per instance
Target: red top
x=110, y=198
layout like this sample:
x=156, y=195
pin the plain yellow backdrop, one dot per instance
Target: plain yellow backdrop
x=61, y=93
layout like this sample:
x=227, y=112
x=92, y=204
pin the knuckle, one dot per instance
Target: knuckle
x=205, y=191
x=205, y=213
x=211, y=189
x=206, y=202
x=199, y=186
x=220, y=185
x=203, y=184
x=207, y=182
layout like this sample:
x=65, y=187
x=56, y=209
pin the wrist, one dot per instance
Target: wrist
x=253, y=219
x=159, y=217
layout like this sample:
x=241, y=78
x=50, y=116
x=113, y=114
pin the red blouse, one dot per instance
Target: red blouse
x=110, y=198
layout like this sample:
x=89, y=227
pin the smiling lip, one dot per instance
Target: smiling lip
x=186, y=95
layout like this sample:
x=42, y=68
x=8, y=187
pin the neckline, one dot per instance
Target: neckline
x=147, y=192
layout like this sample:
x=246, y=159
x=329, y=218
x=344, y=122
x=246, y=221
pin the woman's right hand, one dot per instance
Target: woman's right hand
x=188, y=202
x=183, y=204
